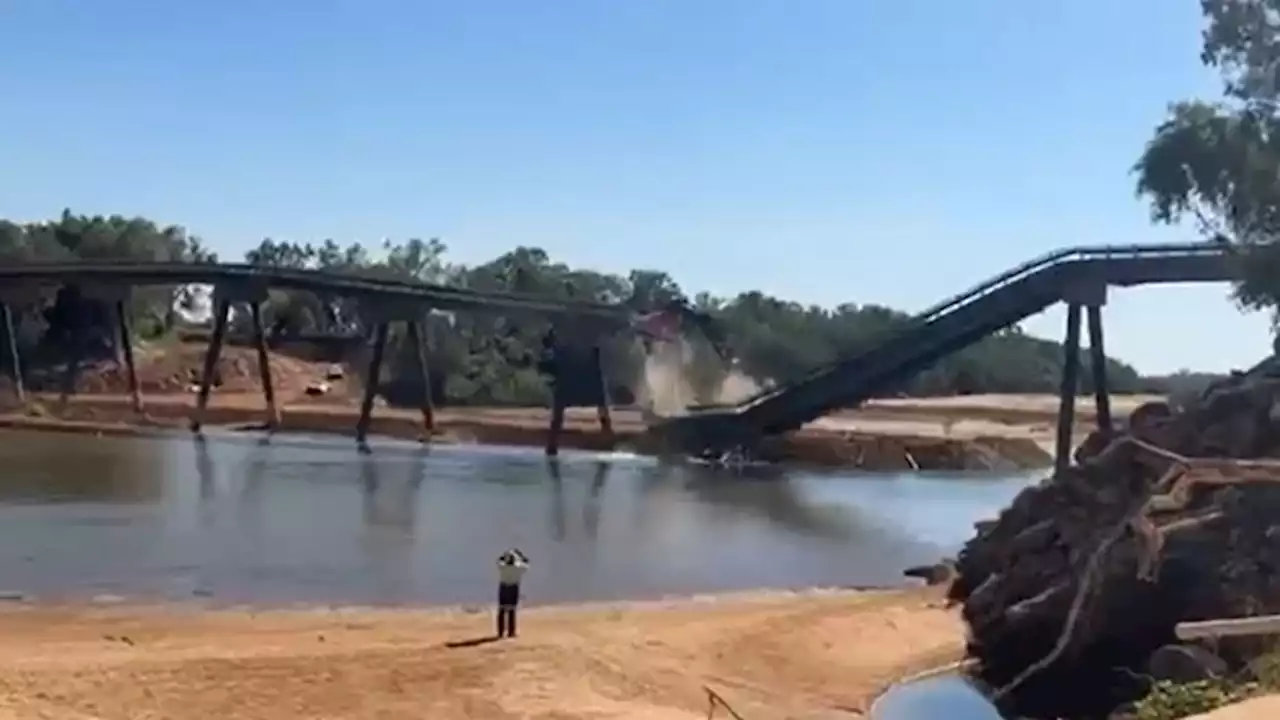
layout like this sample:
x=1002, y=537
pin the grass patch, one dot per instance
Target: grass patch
x=1168, y=700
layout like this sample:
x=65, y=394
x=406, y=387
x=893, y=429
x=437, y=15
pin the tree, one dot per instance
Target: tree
x=1218, y=163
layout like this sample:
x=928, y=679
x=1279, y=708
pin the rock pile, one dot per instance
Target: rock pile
x=1076, y=585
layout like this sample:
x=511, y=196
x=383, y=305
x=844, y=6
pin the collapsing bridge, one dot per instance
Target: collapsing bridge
x=1078, y=277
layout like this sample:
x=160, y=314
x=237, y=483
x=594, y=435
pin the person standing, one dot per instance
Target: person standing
x=512, y=565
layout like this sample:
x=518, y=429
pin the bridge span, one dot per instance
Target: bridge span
x=1077, y=276
x=380, y=301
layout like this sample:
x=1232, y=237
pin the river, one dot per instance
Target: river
x=239, y=518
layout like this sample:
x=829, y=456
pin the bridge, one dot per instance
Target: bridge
x=381, y=302
x=1077, y=276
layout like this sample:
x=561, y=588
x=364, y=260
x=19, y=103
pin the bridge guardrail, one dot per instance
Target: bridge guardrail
x=995, y=284
x=180, y=273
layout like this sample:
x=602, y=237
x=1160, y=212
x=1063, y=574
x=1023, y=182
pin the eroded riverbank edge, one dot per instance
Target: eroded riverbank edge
x=922, y=434
x=767, y=653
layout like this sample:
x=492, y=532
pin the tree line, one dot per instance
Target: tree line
x=488, y=358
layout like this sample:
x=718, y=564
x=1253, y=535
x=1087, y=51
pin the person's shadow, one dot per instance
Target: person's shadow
x=472, y=642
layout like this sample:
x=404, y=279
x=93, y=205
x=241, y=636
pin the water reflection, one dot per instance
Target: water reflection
x=775, y=499
x=291, y=518
x=590, y=504
x=394, y=504
x=204, y=468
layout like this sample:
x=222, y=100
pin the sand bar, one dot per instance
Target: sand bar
x=771, y=654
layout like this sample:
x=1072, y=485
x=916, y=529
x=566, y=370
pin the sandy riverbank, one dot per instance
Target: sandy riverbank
x=773, y=654
x=975, y=432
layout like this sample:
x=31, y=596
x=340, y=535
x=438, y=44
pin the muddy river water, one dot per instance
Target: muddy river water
x=250, y=519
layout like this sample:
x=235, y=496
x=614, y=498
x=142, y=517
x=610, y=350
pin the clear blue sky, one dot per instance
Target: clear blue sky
x=822, y=150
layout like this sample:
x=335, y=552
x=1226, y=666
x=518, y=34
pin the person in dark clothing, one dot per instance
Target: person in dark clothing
x=511, y=568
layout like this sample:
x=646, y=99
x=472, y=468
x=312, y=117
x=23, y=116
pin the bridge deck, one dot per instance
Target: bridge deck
x=436, y=296
x=945, y=329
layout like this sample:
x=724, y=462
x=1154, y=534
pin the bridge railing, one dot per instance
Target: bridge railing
x=183, y=273
x=999, y=282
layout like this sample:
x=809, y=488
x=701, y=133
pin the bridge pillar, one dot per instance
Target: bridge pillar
x=419, y=335
x=1067, y=391
x=553, y=364
x=602, y=405
x=11, y=342
x=117, y=296
x=556, y=426
x=371, y=383
x=221, y=313
x=249, y=292
x=125, y=345
x=411, y=314
x=559, y=346
x=1098, y=367
x=264, y=366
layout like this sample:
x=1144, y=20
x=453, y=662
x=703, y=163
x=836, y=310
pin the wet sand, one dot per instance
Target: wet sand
x=801, y=655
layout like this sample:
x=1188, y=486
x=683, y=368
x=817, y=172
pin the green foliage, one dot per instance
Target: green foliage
x=1218, y=163
x=1169, y=700
x=491, y=359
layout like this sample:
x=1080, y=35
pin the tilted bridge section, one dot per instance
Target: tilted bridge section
x=1077, y=276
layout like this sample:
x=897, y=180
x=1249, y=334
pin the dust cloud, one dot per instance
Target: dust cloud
x=665, y=386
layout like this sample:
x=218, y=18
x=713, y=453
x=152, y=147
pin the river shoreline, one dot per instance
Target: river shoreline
x=982, y=433
x=767, y=653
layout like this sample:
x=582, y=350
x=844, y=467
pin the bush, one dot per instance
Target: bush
x=1169, y=700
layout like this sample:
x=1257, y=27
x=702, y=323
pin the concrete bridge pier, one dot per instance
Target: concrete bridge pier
x=1091, y=295
x=382, y=315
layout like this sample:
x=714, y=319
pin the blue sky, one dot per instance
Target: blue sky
x=823, y=150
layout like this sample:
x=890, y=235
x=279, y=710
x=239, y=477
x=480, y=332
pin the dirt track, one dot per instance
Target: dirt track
x=770, y=655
